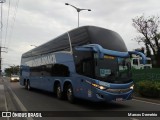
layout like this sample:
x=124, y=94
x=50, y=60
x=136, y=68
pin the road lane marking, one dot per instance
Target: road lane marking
x=134, y=119
x=146, y=102
x=22, y=107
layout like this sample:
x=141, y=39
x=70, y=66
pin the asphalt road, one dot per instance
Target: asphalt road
x=37, y=100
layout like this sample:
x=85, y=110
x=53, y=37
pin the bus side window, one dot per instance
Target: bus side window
x=60, y=70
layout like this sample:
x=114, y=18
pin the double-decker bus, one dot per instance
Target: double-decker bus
x=88, y=62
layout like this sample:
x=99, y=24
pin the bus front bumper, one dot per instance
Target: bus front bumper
x=102, y=95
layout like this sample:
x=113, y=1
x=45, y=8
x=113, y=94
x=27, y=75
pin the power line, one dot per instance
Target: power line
x=1, y=24
x=7, y=32
x=7, y=23
x=14, y=19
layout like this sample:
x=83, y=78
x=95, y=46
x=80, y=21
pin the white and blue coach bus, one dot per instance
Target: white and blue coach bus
x=88, y=62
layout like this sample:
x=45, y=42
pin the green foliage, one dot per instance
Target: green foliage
x=148, y=88
x=12, y=70
x=146, y=74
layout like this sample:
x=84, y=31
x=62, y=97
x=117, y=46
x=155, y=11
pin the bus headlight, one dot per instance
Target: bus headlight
x=132, y=87
x=98, y=86
x=102, y=87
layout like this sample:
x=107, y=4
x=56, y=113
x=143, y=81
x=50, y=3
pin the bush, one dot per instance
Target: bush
x=148, y=88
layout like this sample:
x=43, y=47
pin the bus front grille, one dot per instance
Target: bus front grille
x=118, y=90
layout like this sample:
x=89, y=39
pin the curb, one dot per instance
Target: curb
x=15, y=103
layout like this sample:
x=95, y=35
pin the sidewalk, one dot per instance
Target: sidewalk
x=3, y=106
x=3, y=103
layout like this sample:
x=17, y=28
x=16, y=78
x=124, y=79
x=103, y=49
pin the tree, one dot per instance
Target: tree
x=12, y=70
x=148, y=27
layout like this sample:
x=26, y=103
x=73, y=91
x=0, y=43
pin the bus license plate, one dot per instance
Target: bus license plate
x=119, y=99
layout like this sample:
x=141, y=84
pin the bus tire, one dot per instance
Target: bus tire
x=70, y=95
x=59, y=92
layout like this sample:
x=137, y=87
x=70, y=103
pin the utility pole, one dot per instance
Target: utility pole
x=1, y=59
x=1, y=1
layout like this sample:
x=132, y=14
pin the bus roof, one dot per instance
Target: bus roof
x=81, y=36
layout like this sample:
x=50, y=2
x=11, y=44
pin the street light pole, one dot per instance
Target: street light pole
x=78, y=10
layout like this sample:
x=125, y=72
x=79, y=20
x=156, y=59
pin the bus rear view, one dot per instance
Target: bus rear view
x=95, y=59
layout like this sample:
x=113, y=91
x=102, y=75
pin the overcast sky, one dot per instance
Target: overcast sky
x=38, y=21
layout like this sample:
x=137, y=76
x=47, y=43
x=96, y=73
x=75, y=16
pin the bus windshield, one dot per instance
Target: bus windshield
x=113, y=69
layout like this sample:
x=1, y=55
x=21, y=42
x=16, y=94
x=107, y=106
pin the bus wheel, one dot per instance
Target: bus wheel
x=70, y=95
x=59, y=92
